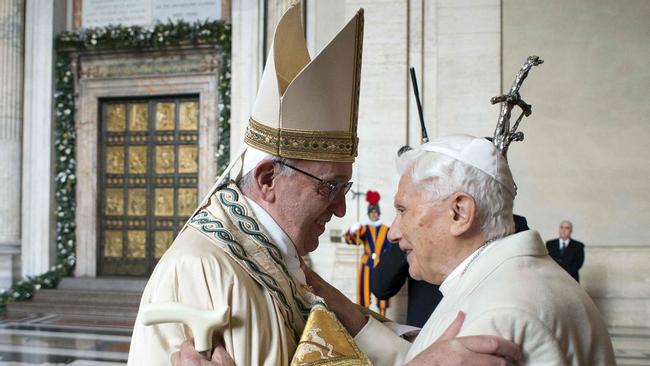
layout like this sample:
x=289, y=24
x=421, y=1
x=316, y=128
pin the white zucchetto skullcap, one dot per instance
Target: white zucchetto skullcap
x=477, y=152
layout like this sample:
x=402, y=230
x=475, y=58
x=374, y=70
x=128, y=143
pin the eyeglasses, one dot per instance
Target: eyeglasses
x=327, y=188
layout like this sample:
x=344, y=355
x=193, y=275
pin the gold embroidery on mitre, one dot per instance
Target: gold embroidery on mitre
x=325, y=342
x=337, y=146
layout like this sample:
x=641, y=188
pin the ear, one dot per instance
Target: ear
x=264, y=175
x=463, y=210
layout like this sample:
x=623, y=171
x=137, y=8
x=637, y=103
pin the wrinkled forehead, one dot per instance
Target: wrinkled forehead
x=407, y=190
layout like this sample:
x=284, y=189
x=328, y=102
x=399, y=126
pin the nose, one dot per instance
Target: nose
x=338, y=205
x=394, y=233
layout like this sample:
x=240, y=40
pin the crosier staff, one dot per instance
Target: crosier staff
x=503, y=134
x=416, y=92
x=423, y=127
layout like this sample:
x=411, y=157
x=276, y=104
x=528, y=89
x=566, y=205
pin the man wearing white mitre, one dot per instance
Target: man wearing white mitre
x=454, y=221
x=242, y=247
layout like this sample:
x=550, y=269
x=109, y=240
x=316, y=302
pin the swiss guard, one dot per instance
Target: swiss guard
x=373, y=235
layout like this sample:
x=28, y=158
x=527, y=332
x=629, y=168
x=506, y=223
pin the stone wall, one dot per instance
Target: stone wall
x=617, y=279
x=586, y=154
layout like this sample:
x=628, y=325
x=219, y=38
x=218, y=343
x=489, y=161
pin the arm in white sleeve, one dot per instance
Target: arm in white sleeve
x=538, y=343
x=382, y=346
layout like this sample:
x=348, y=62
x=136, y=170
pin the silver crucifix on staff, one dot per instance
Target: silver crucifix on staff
x=503, y=134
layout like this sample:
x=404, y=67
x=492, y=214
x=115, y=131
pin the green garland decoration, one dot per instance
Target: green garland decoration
x=161, y=35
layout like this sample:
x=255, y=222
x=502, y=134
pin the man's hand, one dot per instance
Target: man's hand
x=347, y=312
x=188, y=356
x=472, y=350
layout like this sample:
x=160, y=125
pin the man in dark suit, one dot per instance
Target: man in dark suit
x=521, y=224
x=568, y=253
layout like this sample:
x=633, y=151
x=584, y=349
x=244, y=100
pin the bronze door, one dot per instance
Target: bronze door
x=148, y=180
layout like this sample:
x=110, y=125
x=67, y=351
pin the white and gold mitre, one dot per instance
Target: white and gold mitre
x=307, y=109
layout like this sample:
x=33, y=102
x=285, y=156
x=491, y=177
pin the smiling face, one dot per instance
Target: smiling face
x=426, y=231
x=300, y=210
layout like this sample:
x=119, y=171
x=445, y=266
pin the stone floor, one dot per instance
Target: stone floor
x=56, y=340
x=49, y=340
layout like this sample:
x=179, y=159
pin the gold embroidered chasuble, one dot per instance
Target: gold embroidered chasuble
x=224, y=257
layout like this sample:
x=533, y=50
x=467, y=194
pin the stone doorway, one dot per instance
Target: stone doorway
x=179, y=85
x=148, y=179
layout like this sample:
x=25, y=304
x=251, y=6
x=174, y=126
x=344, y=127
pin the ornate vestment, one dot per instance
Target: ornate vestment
x=223, y=257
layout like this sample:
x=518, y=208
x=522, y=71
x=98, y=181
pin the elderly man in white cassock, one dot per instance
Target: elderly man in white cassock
x=454, y=221
x=240, y=252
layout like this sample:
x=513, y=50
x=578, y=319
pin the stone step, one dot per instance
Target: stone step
x=76, y=297
x=105, y=298
x=103, y=284
x=114, y=312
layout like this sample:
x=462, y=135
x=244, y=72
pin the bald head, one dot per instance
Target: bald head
x=566, y=227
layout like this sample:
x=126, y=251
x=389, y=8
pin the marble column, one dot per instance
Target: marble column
x=247, y=65
x=11, y=93
x=37, y=173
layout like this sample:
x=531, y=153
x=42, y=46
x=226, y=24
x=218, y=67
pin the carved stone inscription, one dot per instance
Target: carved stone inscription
x=150, y=64
x=99, y=13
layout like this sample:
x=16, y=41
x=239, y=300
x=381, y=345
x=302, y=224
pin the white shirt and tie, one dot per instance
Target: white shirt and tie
x=563, y=244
